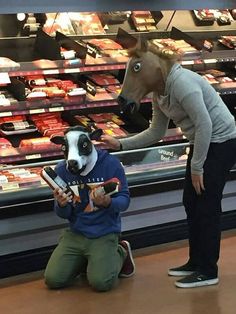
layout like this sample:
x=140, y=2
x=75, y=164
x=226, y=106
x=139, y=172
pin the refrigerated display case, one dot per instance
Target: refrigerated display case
x=29, y=227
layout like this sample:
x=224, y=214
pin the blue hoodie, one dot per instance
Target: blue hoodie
x=101, y=221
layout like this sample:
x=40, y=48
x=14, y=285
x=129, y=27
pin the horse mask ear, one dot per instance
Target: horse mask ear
x=142, y=44
x=96, y=134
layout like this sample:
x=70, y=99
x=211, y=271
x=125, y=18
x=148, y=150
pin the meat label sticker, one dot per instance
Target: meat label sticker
x=10, y=186
x=35, y=156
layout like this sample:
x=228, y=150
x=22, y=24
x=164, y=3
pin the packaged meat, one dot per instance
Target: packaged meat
x=8, y=64
x=106, y=117
x=4, y=143
x=36, y=95
x=36, y=143
x=104, y=44
x=112, y=129
x=103, y=79
x=76, y=92
x=33, y=81
x=101, y=94
x=87, y=23
x=56, y=93
x=13, y=118
x=18, y=127
x=4, y=101
x=83, y=120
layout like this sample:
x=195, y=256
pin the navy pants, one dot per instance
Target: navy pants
x=204, y=211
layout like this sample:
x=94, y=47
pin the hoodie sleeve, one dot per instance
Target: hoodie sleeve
x=150, y=136
x=66, y=211
x=120, y=201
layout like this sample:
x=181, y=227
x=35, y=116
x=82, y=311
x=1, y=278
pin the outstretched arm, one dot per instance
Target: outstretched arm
x=150, y=136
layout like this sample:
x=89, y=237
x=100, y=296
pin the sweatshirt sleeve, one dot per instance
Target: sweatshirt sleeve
x=120, y=201
x=195, y=108
x=150, y=136
x=66, y=211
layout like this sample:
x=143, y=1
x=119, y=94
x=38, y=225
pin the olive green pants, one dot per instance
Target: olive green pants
x=100, y=258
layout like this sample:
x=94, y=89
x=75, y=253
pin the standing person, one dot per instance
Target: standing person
x=194, y=106
x=91, y=243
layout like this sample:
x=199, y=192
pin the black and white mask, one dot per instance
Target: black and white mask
x=78, y=149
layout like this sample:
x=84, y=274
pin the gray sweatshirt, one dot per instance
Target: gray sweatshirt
x=194, y=106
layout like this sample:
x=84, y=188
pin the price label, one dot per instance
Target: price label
x=34, y=156
x=55, y=109
x=210, y=61
x=72, y=70
x=33, y=111
x=51, y=72
x=6, y=114
x=10, y=186
x=187, y=62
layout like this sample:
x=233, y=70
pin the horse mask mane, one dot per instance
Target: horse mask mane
x=144, y=46
x=78, y=149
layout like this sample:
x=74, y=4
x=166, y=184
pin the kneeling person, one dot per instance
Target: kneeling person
x=91, y=243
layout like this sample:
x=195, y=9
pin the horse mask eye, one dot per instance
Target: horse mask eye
x=137, y=67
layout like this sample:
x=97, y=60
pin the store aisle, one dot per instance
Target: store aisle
x=150, y=291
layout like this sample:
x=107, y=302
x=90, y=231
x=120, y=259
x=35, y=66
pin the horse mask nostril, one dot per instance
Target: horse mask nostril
x=127, y=107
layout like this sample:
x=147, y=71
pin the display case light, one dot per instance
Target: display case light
x=21, y=17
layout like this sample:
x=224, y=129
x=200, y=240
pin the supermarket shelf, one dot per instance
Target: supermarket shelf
x=109, y=64
x=56, y=67
x=21, y=156
x=54, y=106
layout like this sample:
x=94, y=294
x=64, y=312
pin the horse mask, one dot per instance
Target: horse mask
x=146, y=73
x=78, y=149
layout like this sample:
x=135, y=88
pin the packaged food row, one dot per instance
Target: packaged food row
x=40, y=87
x=228, y=41
x=104, y=86
x=179, y=46
x=208, y=16
x=110, y=123
x=219, y=79
x=16, y=178
x=16, y=125
x=143, y=21
x=50, y=124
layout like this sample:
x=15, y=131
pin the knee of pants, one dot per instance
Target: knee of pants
x=102, y=284
x=53, y=283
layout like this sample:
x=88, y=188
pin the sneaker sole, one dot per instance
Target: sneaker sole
x=209, y=282
x=176, y=273
x=132, y=260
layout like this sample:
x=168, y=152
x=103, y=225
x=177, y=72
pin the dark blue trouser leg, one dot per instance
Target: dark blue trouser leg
x=204, y=211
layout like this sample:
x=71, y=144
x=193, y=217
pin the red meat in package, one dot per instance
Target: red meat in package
x=4, y=143
x=40, y=143
x=112, y=129
x=101, y=94
x=103, y=79
x=105, y=44
x=83, y=120
x=50, y=123
x=106, y=117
